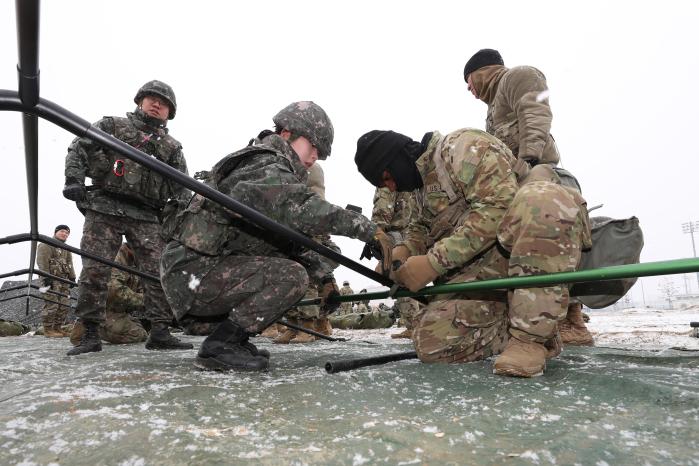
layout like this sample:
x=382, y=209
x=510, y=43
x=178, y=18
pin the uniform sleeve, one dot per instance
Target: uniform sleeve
x=277, y=192
x=489, y=188
x=120, y=293
x=180, y=164
x=384, y=207
x=416, y=235
x=525, y=90
x=43, y=255
x=81, y=149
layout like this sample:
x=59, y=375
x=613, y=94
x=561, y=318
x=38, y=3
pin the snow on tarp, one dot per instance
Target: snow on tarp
x=631, y=404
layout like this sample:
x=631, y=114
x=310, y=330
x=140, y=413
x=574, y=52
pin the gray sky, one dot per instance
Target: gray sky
x=622, y=77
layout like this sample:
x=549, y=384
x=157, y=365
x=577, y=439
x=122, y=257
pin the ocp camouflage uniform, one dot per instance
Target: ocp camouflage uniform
x=222, y=264
x=467, y=187
x=345, y=307
x=127, y=202
x=392, y=212
x=125, y=302
x=9, y=328
x=545, y=229
x=58, y=262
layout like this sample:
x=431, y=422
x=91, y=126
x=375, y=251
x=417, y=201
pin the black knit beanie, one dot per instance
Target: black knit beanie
x=484, y=57
x=61, y=227
x=380, y=150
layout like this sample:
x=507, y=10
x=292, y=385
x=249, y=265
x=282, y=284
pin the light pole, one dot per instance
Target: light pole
x=691, y=227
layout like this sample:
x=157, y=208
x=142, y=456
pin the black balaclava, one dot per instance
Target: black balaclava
x=387, y=150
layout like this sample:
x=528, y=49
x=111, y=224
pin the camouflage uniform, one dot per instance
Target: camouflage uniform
x=10, y=328
x=124, y=305
x=220, y=264
x=467, y=187
x=58, y=262
x=392, y=212
x=545, y=229
x=345, y=307
x=127, y=203
x=377, y=318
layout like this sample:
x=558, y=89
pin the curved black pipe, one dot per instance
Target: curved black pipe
x=332, y=367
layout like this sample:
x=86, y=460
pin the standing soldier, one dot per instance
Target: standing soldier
x=345, y=307
x=467, y=185
x=125, y=200
x=219, y=264
x=57, y=262
x=392, y=212
x=520, y=116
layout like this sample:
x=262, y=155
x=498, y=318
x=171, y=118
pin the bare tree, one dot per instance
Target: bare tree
x=667, y=289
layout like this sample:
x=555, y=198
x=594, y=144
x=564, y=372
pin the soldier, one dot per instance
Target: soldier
x=124, y=305
x=219, y=264
x=57, y=262
x=519, y=115
x=466, y=185
x=10, y=328
x=345, y=307
x=392, y=212
x=125, y=200
x=363, y=306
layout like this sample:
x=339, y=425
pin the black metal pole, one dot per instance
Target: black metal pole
x=309, y=331
x=332, y=367
x=60, y=244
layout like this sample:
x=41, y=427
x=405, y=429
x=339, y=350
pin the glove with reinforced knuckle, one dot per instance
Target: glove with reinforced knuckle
x=416, y=273
x=74, y=190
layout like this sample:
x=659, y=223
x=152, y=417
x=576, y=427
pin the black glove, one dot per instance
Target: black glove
x=74, y=191
x=46, y=282
x=327, y=293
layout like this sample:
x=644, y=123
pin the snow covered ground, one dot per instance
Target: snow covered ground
x=630, y=400
x=639, y=328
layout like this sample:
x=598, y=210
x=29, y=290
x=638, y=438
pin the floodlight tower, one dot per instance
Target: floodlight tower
x=691, y=227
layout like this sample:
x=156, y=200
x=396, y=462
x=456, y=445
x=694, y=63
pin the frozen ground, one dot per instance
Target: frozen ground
x=630, y=400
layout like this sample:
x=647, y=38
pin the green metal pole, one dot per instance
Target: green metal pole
x=534, y=281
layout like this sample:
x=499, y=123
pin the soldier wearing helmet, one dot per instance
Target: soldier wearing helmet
x=219, y=265
x=125, y=200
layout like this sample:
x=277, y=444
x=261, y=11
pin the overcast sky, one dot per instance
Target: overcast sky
x=622, y=77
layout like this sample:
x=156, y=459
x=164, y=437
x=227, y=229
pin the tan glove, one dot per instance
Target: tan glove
x=398, y=254
x=521, y=169
x=416, y=273
x=385, y=242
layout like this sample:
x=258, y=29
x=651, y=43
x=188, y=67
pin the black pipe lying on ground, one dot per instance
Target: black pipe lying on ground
x=332, y=367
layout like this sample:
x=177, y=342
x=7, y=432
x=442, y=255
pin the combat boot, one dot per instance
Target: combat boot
x=271, y=332
x=228, y=348
x=51, y=331
x=303, y=337
x=521, y=359
x=161, y=339
x=407, y=333
x=322, y=325
x=287, y=335
x=89, y=341
x=573, y=330
x=255, y=351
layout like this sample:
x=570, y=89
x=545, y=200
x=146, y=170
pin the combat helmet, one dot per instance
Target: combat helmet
x=160, y=89
x=307, y=119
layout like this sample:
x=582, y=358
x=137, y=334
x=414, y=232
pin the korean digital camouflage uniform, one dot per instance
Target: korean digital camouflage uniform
x=58, y=262
x=126, y=202
x=392, y=212
x=124, y=305
x=345, y=307
x=220, y=264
